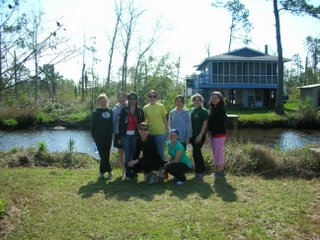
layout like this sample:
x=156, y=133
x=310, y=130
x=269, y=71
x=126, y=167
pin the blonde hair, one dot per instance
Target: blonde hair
x=197, y=95
x=102, y=95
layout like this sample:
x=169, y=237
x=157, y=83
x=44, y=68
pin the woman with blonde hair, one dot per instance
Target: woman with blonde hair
x=199, y=121
x=101, y=131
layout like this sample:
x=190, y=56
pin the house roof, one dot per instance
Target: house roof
x=242, y=54
x=310, y=86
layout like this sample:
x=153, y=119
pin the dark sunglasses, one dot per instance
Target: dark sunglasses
x=152, y=96
x=132, y=98
x=143, y=129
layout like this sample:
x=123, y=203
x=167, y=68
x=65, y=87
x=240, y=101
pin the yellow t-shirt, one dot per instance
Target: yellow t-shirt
x=154, y=117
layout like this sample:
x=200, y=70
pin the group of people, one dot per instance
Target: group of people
x=140, y=135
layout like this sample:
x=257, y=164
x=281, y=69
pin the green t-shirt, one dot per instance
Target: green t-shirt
x=154, y=116
x=198, y=116
x=177, y=147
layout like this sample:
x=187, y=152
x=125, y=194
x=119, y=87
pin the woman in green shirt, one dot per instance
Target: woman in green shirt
x=178, y=163
x=199, y=122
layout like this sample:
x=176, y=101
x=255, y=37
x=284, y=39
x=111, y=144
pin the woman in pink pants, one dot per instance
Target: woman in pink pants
x=217, y=127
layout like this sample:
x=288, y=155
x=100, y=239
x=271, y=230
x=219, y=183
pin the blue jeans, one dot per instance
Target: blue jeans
x=160, y=140
x=129, y=146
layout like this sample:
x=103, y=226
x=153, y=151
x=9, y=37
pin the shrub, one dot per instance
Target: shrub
x=43, y=117
x=13, y=150
x=10, y=122
x=3, y=207
x=307, y=111
x=301, y=162
x=42, y=147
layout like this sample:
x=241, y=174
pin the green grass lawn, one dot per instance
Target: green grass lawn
x=50, y=203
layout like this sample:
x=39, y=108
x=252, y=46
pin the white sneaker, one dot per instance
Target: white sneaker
x=101, y=176
x=153, y=179
x=179, y=183
x=147, y=176
x=110, y=175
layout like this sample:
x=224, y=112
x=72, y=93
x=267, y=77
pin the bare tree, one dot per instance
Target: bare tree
x=26, y=39
x=118, y=11
x=208, y=47
x=133, y=15
x=313, y=47
x=239, y=20
x=143, y=48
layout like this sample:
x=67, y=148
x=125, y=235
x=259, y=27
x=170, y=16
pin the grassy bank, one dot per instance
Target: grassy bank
x=55, y=203
x=266, y=194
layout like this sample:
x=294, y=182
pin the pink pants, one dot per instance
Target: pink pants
x=217, y=146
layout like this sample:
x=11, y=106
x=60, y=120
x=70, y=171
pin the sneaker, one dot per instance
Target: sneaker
x=101, y=176
x=110, y=175
x=160, y=173
x=153, y=179
x=219, y=174
x=199, y=176
x=147, y=176
x=179, y=183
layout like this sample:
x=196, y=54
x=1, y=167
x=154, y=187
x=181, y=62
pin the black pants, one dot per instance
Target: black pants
x=147, y=165
x=199, y=166
x=104, y=146
x=178, y=170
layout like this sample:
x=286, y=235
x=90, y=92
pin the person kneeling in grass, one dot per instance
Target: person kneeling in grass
x=178, y=163
x=151, y=160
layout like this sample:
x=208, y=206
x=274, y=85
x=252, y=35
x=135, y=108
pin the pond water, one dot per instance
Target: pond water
x=57, y=140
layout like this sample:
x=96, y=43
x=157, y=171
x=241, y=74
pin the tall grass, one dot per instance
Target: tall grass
x=242, y=158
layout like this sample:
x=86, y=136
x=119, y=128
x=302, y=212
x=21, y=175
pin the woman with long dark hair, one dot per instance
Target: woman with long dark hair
x=217, y=127
x=199, y=120
x=130, y=118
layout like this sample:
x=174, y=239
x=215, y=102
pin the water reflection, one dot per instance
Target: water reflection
x=294, y=139
x=284, y=139
x=57, y=140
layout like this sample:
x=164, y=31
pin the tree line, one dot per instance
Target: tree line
x=31, y=48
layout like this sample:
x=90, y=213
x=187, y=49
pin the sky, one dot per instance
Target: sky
x=187, y=26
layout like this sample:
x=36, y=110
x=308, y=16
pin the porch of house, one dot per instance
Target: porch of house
x=248, y=98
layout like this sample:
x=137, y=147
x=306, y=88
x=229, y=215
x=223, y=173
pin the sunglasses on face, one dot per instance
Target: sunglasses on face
x=152, y=96
x=143, y=129
x=132, y=98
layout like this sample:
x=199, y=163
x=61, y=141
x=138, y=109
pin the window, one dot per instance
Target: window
x=220, y=64
x=263, y=69
x=233, y=68
x=275, y=69
x=226, y=68
x=251, y=70
x=269, y=69
x=257, y=69
x=239, y=68
x=214, y=68
x=245, y=68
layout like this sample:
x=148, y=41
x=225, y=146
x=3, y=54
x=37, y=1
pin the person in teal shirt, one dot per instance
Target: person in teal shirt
x=179, y=163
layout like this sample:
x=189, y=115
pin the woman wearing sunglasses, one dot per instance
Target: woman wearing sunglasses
x=150, y=160
x=156, y=117
x=130, y=117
